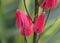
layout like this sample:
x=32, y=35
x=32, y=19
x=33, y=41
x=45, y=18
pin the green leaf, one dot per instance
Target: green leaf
x=30, y=39
x=19, y=39
x=55, y=38
x=50, y=32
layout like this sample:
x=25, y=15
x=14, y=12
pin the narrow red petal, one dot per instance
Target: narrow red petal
x=29, y=19
x=18, y=18
x=39, y=23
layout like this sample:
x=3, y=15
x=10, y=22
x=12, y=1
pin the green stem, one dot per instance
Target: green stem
x=36, y=15
x=27, y=10
x=25, y=39
x=47, y=16
x=26, y=7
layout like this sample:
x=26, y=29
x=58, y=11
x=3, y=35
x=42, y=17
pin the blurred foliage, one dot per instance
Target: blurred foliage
x=9, y=33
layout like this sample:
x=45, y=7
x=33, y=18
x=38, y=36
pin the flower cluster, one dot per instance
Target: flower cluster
x=25, y=23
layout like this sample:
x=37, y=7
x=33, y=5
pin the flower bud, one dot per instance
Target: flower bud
x=49, y=4
x=39, y=23
x=24, y=23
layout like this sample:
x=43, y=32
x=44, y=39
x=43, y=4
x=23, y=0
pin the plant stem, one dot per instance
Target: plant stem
x=25, y=39
x=37, y=37
x=49, y=12
x=47, y=16
x=26, y=7
x=36, y=15
x=27, y=10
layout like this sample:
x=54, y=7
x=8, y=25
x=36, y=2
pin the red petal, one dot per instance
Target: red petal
x=23, y=22
x=29, y=19
x=39, y=23
x=27, y=32
x=18, y=18
x=47, y=4
x=55, y=3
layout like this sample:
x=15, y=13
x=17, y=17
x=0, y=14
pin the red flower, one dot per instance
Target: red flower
x=39, y=23
x=47, y=4
x=24, y=23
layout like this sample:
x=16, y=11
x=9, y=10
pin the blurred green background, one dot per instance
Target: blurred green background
x=9, y=33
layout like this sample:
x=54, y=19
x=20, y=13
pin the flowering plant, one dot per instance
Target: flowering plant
x=27, y=26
